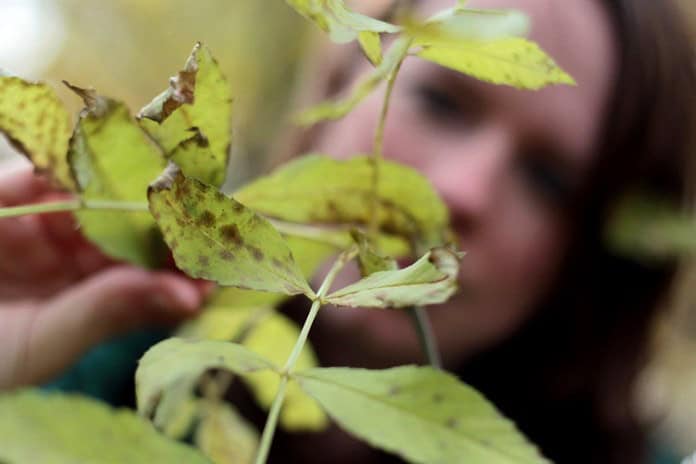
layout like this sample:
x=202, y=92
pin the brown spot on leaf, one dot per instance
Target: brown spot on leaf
x=203, y=260
x=256, y=253
x=452, y=423
x=278, y=264
x=174, y=244
x=394, y=390
x=207, y=219
x=230, y=233
x=438, y=398
x=226, y=255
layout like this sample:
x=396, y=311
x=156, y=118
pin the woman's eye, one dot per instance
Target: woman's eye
x=441, y=106
x=547, y=180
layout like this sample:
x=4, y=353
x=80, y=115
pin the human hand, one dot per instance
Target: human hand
x=59, y=295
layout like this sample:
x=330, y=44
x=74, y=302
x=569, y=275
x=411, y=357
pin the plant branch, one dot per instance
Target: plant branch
x=272, y=420
x=424, y=329
x=378, y=145
x=72, y=205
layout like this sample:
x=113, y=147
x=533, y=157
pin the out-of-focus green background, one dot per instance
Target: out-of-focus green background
x=127, y=49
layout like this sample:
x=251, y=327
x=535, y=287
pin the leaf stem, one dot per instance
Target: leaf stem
x=424, y=329
x=75, y=204
x=272, y=420
x=378, y=146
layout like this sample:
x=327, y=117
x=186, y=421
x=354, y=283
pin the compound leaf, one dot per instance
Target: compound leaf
x=224, y=436
x=274, y=338
x=62, y=429
x=337, y=109
x=37, y=123
x=319, y=190
x=113, y=160
x=216, y=238
x=511, y=61
x=198, y=99
x=272, y=335
x=430, y=280
x=177, y=360
x=419, y=413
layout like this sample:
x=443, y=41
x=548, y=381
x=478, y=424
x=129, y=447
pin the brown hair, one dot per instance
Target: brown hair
x=571, y=370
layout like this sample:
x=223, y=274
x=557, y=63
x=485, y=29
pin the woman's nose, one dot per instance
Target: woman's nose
x=468, y=172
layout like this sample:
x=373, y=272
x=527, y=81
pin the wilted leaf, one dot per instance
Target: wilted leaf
x=319, y=190
x=372, y=46
x=113, y=160
x=419, y=413
x=216, y=238
x=199, y=99
x=342, y=24
x=430, y=280
x=450, y=26
x=37, y=123
x=225, y=437
x=66, y=429
x=511, y=61
x=274, y=338
x=177, y=360
x=331, y=110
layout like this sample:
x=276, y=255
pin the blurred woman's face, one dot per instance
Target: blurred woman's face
x=506, y=163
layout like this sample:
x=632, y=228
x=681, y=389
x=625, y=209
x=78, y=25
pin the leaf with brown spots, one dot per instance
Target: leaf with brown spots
x=430, y=280
x=176, y=360
x=199, y=100
x=396, y=410
x=114, y=160
x=37, y=123
x=216, y=238
x=318, y=190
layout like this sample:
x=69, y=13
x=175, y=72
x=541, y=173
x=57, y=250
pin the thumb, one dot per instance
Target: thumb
x=49, y=336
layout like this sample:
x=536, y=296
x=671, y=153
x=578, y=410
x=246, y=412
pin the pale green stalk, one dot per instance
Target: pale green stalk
x=72, y=205
x=272, y=420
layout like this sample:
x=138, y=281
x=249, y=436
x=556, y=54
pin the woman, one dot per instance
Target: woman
x=550, y=324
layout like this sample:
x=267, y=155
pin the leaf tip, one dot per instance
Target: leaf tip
x=166, y=179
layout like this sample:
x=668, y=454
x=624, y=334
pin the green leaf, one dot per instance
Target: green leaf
x=511, y=61
x=430, y=280
x=455, y=24
x=271, y=335
x=372, y=46
x=332, y=110
x=651, y=228
x=177, y=360
x=196, y=159
x=319, y=190
x=369, y=260
x=419, y=413
x=37, y=124
x=216, y=238
x=66, y=429
x=274, y=338
x=224, y=436
x=199, y=99
x=342, y=24
x=113, y=160
x=177, y=410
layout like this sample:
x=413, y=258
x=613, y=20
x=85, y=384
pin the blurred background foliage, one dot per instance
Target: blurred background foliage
x=127, y=49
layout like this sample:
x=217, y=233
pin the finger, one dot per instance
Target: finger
x=110, y=303
x=19, y=184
